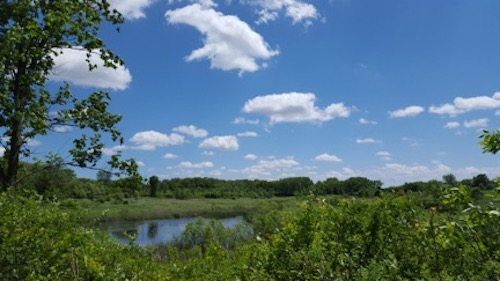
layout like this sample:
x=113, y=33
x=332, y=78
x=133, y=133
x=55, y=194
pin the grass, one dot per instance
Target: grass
x=154, y=208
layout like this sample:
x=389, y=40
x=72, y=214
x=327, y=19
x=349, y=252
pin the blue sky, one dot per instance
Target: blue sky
x=395, y=90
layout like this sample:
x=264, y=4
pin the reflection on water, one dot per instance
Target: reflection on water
x=154, y=232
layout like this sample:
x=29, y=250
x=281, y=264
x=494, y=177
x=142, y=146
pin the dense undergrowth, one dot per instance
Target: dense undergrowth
x=387, y=238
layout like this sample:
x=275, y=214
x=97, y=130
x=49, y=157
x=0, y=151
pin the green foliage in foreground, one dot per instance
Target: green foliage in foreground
x=39, y=242
x=388, y=238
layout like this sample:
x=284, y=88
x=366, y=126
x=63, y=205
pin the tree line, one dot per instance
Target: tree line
x=59, y=181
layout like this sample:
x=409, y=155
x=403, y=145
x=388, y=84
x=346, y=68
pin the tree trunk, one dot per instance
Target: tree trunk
x=16, y=134
x=16, y=142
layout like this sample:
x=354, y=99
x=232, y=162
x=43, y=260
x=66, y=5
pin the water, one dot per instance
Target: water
x=154, y=232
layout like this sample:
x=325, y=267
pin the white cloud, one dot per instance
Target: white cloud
x=476, y=123
x=328, y=158
x=62, y=128
x=395, y=173
x=384, y=155
x=33, y=142
x=367, y=140
x=191, y=131
x=462, y=105
x=140, y=164
x=266, y=16
x=248, y=134
x=241, y=120
x=451, y=125
x=409, y=111
x=201, y=165
x=343, y=174
x=208, y=153
x=297, y=10
x=170, y=156
x=71, y=66
x=131, y=9
x=445, y=109
x=364, y=121
x=471, y=171
x=270, y=168
x=2, y=151
x=220, y=142
x=150, y=140
x=250, y=157
x=294, y=107
x=229, y=43
x=113, y=150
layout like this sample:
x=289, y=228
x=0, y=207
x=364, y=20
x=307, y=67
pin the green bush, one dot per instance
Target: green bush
x=387, y=238
x=40, y=242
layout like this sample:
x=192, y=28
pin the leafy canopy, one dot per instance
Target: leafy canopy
x=490, y=141
x=32, y=34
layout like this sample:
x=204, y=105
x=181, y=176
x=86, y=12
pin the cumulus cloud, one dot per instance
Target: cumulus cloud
x=170, y=156
x=191, y=131
x=109, y=151
x=70, y=66
x=298, y=11
x=201, y=165
x=131, y=9
x=241, y=120
x=364, y=121
x=62, y=128
x=150, y=140
x=269, y=168
x=396, y=173
x=451, y=125
x=384, y=155
x=220, y=142
x=342, y=174
x=328, y=158
x=247, y=134
x=367, y=140
x=250, y=157
x=294, y=107
x=409, y=111
x=476, y=123
x=33, y=142
x=462, y=105
x=229, y=43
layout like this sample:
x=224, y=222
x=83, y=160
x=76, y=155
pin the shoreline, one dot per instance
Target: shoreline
x=144, y=208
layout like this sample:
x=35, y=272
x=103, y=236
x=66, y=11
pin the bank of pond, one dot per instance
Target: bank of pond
x=159, y=231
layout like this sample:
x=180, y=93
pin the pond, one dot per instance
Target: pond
x=154, y=232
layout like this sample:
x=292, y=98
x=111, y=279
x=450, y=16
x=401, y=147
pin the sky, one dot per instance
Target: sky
x=393, y=90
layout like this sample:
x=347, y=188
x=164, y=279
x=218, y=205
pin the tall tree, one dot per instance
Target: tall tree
x=154, y=183
x=450, y=179
x=104, y=177
x=32, y=34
